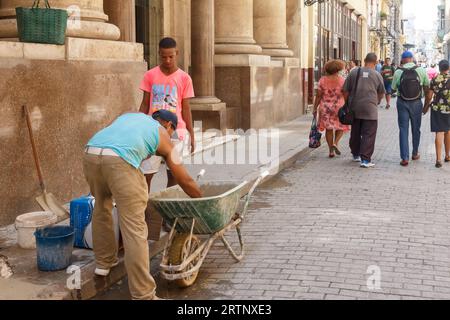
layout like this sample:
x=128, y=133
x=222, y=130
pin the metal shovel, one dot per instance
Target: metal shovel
x=47, y=201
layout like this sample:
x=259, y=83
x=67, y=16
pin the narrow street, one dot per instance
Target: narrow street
x=320, y=228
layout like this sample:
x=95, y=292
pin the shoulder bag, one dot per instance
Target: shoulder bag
x=346, y=114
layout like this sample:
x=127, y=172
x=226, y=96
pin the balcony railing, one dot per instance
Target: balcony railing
x=311, y=2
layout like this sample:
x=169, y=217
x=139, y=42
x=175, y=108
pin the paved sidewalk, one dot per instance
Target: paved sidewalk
x=316, y=230
x=28, y=283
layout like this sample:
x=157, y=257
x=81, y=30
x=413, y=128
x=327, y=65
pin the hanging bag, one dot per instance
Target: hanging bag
x=346, y=114
x=41, y=25
x=315, y=136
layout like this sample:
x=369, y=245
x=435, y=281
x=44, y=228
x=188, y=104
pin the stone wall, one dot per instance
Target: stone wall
x=177, y=24
x=69, y=101
x=260, y=97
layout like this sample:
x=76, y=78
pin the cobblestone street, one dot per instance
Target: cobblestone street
x=316, y=230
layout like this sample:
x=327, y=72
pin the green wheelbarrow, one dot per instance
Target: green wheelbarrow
x=198, y=223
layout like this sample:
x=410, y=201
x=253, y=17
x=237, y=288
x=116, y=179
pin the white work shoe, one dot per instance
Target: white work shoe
x=105, y=272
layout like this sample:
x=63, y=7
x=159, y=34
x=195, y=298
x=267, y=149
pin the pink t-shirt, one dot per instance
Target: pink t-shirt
x=432, y=73
x=168, y=93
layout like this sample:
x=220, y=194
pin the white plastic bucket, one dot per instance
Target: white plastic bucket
x=26, y=225
x=88, y=232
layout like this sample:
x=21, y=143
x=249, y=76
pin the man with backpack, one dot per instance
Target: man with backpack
x=411, y=81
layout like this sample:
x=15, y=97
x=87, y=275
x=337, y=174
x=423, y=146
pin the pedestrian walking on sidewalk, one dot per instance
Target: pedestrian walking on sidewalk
x=379, y=66
x=328, y=101
x=365, y=101
x=438, y=98
x=111, y=167
x=387, y=71
x=411, y=81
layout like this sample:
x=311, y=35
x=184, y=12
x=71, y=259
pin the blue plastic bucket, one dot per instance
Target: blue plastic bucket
x=54, y=247
x=81, y=210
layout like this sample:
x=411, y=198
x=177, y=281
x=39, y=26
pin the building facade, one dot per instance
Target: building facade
x=386, y=28
x=374, y=25
x=443, y=30
x=340, y=32
x=394, y=39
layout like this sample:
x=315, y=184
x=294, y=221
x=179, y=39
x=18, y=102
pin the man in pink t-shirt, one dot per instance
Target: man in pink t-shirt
x=170, y=88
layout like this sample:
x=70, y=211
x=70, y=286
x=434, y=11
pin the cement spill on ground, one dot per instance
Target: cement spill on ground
x=5, y=269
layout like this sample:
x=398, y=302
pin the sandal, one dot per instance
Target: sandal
x=331, y=155
x=438, y=164
x=337, y=151
x=447, y=159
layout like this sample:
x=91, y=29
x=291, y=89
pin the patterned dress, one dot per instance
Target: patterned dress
x=440, y=109
x=332, y=101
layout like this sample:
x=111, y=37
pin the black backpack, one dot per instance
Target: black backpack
x=410, y=87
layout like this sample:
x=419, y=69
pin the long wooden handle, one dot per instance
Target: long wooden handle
x=33, y=145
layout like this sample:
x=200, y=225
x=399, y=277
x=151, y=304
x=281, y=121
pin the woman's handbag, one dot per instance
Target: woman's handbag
x=315, y=136
x=346, y=114
x=42, y=25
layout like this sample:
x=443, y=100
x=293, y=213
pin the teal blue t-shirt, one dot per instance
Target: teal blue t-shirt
x=133, y=136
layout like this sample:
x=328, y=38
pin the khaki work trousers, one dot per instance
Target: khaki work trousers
x=112, y=177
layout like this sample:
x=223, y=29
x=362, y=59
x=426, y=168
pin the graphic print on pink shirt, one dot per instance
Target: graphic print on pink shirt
x=164, y=98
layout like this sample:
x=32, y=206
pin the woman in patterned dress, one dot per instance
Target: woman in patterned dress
x=329, y=100
x=440, y=111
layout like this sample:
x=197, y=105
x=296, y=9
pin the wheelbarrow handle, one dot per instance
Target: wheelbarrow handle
x=252, y=189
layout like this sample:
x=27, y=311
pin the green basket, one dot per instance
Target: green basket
x=42, y=25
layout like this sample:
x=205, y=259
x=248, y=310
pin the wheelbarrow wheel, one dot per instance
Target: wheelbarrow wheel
x=179, y=252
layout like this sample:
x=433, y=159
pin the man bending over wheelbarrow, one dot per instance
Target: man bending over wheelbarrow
x=111, y=167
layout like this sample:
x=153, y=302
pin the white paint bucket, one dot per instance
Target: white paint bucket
x=26, y=225
x=88, y=241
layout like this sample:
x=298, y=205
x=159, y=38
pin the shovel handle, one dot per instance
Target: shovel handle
x=33, y=145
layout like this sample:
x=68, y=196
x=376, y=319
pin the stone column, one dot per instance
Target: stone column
x=87, y=19
x=123, y=14
x=234, y=27
x=270, y=27
x=203, y=69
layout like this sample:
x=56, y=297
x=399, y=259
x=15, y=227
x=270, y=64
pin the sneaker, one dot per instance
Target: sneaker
x=105, y=272
x=356, y=159
x=367, y=164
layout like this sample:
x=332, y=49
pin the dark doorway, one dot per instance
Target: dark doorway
x=143, y=26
